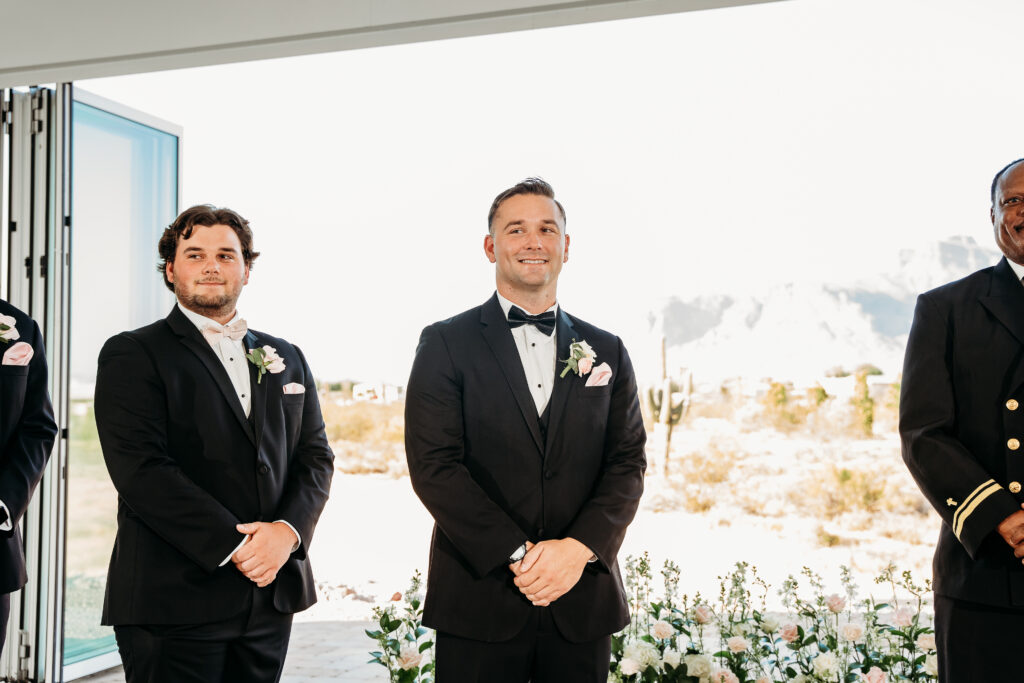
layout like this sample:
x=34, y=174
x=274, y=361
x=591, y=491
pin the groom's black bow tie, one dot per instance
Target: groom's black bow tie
x=545, y=322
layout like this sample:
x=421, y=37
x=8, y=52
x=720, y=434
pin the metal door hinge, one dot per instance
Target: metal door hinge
x=24, y=655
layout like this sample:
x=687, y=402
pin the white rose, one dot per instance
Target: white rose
x=629, y=667
x=724, y=676
x=926, y=641
x=587, y=351
x=10, y=334
x=738, y=644
x=703, y=614
x=662, y=630
x=835, y=603
x=902, y=617
x=742, y=629
x=697, y=665
x=770, y=624
x=826, y=664
x=643, y=653
x=852, y=632
x=409, y=657
x=672, y=658
x=931, y=665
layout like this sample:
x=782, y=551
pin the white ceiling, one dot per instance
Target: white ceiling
x=47, y=41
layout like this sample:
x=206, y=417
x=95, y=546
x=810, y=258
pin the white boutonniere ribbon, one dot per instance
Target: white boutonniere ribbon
x=580, y=360
x=266, y=360
x=8, y=332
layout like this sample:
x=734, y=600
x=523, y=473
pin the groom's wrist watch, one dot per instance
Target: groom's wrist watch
x=519, y=554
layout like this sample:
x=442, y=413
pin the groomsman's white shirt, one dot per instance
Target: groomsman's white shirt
x=232, y=356
x=537, y=352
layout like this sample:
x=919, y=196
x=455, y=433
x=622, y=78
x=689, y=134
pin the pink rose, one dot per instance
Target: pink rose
x=409, y=656
x=7, y=329
x=926, y=641
x=789, y=632
x=835, y=603
x=275, y=363
x=629, y=667
x=396, y=597
x=723, y=676
x=738, y=644
x=600, y=376
x=902, y=617
x=19, y=354
x=585, y=365
x=703, y=614
x=662, y=630
x=852, y=632
x=874, y=675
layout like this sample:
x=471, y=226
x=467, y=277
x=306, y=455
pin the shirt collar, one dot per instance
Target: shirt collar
x=1018, y=269
x=201, y=321
x=506, y=305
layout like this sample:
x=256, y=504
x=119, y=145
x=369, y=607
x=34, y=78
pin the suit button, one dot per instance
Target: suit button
x=264, y=469
x=1012, y=404
x=548, y=474
x=1013, y=444
x=1014, y=487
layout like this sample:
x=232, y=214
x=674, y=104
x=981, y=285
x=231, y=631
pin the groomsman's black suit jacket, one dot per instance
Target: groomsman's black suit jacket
x=480, y=465
x=27, y=431
x=188, y=466
x=962, y=427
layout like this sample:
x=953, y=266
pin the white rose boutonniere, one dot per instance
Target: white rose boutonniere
x=8, y=332
x=581, y=359
x=266, y=360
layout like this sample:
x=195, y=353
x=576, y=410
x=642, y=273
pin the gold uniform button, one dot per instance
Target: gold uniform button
x=1013, y=444
x=1014, y=487
x=1012, y=404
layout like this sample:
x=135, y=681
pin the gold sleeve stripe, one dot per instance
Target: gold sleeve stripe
x=972, y=503
x=968, y=505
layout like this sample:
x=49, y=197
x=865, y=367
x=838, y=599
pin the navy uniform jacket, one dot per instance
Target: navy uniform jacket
x=962, y=428
x=483, y=468
x=27, y=431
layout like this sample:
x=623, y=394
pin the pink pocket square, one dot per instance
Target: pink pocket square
x=19, y=354
x=599, y=376
x=294, y=388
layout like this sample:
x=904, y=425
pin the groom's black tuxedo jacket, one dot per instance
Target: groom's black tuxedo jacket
x=480, y=463
x=188, y=466
x=27, y=431
x=962, y=426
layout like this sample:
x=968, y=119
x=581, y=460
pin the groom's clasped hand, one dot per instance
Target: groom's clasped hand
x=267, y=549
x=550, y=569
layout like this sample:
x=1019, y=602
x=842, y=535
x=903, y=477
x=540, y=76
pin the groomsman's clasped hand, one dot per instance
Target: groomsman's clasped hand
x=550, y=569
x=267, y=549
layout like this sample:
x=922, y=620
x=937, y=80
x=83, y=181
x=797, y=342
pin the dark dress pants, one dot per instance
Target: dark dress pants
x=978, y=643
x=5, y=613
x=538, y=654
x=250, y=647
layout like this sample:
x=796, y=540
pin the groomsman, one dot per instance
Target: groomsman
x=525, y=442
x=213, y=437
x=962, y=426
x=27, y=432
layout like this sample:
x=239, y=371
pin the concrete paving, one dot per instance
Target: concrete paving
x=320, y=651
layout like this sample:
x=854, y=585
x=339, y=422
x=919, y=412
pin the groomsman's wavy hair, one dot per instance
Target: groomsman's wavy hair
x=202, y=214
x=528, y=186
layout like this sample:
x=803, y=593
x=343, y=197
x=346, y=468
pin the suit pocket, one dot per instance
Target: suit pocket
x=13, y=371
x=584, y=391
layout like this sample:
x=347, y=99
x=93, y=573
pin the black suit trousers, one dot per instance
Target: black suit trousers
x=249, y=647
x=539, y=654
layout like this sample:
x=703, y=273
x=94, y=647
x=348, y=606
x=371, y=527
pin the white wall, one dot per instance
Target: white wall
x=45, y=41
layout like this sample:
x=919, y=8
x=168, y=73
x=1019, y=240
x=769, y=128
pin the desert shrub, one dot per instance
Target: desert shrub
x=839, y=490
x=863, y=406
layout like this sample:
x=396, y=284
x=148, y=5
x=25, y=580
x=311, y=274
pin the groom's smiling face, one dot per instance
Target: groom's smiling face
x=208, y=271
x=527, y=242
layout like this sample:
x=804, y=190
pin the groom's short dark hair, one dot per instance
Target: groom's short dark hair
x=528, y=186
x=207, y=215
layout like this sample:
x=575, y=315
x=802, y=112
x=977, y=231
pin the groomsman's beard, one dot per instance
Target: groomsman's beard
x=208, y=306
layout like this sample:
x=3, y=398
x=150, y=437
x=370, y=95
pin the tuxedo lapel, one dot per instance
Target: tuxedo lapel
x=259, y=389
x=566, y=333
x=498, y=336
x=194, y=341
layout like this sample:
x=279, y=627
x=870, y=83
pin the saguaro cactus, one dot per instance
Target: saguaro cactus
x=668, y=403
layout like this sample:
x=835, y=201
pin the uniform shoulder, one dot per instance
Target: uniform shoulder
x=976, y=283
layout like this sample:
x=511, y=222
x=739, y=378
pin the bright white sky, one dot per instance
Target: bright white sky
x=716, y=151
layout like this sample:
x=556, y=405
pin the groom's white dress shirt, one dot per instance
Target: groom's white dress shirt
x=537, y=352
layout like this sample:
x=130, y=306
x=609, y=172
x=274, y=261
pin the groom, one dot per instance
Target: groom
x=214, y=440
x=532, y=467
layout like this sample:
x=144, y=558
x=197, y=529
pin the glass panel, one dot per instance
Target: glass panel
x=124, y=181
